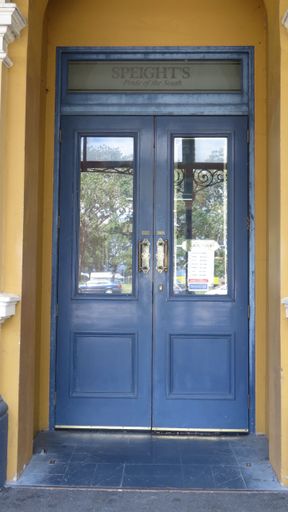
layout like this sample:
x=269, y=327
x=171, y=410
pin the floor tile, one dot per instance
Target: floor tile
x=205, y=446
x=55, y=455
x=256, y=485
x=152, y=476
x=198, y=477
x=149, y=461
x=108, y=475
x=49, y=467
x=138, y=453
x=208, y=459
x=165, y=451
x=53, y=439
x=250, y=449
x=108, y=457
x=86, y=457
x=41, y=479
x=228, y=477
x=249, y=440
x=259, y=476
x=206, y=451
x=250, y=456
x=79, y=474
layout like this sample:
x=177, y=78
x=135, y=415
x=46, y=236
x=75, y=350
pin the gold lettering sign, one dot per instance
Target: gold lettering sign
x=156, y=76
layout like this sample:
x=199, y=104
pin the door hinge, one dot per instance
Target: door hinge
x=55, y=397
x=57, y=309
x=60, y=136
x=248, y=311
x=248, y=136
x=248, y=401
x=58, y=222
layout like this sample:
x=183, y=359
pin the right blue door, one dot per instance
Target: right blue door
x=200, y=328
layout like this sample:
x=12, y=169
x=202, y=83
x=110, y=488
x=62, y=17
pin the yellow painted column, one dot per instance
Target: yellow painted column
x=278, y=236
x=9, y=280
x=3, y=85
x=284, y=239
x=273, y=356
x=12, y=147
x=20, y=238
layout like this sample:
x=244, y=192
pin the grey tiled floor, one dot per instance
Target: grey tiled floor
x=145, y=461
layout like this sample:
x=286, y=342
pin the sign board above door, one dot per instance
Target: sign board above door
x=156, y=76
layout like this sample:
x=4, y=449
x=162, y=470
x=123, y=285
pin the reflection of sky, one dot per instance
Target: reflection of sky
x=203, y=148
x=124, y=144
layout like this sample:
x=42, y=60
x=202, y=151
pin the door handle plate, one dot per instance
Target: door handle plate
x=144, y=256
x=162, y=255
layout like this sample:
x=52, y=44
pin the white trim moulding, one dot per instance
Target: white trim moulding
x=11, y=24
x=7, y=306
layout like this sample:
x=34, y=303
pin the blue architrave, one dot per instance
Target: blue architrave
x=164, y=104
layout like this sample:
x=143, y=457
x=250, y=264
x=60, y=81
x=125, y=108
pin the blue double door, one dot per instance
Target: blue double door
x=152, y=326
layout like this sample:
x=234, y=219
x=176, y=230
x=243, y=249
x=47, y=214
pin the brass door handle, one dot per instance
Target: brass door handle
x=162, y=255
x=144, y=256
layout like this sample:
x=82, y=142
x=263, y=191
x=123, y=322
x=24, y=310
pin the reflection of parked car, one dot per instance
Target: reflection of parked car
x=101, y=286
x=179, y=288
x=218, y=290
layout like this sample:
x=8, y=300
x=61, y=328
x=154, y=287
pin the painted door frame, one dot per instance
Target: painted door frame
x=175, y=104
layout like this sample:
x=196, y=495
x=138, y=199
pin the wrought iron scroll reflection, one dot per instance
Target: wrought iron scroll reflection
x=200, y=174
x=124, y=168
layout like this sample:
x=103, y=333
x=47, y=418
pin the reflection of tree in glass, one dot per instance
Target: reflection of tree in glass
x=106, y=153
x=106, y=215
x=207, y=217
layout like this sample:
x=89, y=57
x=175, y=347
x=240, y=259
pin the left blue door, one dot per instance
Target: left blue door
x=104, y=332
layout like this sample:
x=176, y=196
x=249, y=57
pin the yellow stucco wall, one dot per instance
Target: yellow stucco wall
x=284, y=242
x=73, y=23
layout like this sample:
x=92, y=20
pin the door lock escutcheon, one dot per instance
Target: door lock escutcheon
x=162, y=255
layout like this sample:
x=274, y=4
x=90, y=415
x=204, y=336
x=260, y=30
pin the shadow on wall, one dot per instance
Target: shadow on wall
x=3, y=440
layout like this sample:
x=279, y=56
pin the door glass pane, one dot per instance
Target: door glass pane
x=106, y=215
x=200, y=216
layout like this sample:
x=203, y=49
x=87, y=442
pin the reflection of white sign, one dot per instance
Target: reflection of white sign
x=201, y=264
